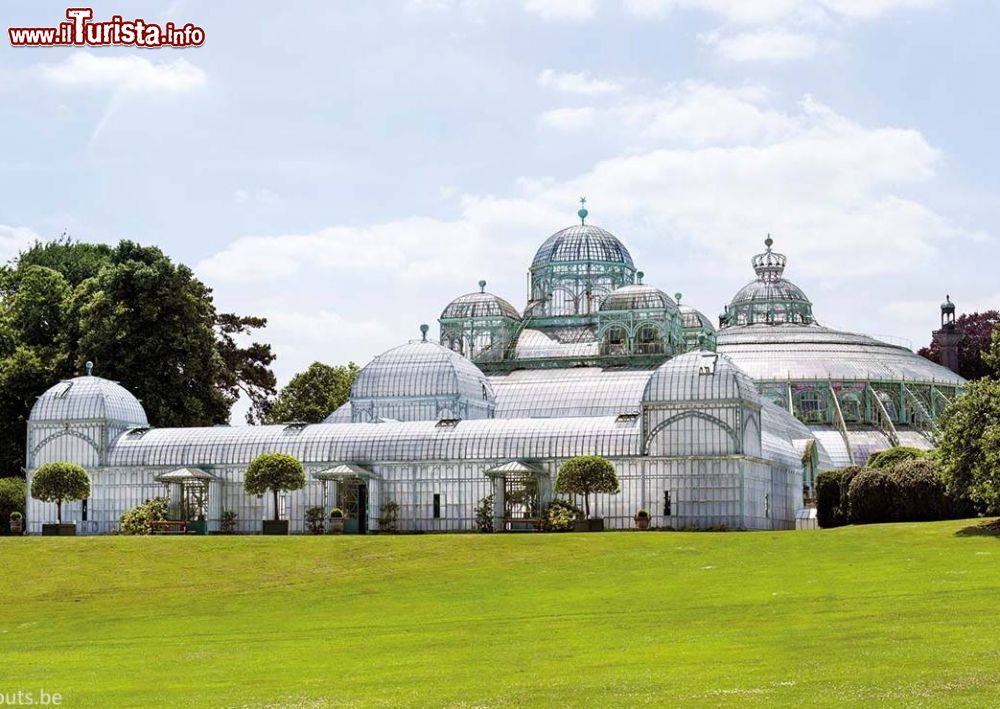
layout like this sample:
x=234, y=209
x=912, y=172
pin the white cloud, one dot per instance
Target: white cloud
x=14, y=240
x=758, y=12
x=568, y=119
x=580, y=83
x=562, y=10
x=773, y=45
x=129, y=73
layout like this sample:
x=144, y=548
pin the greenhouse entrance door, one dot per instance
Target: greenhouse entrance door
x=352, y=498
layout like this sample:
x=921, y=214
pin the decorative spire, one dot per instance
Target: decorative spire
x=677, y=297
x=423, y=331
x=770, y=265
x=582, y=212
x=89, y=366
x=482, y=286
x=639, y=276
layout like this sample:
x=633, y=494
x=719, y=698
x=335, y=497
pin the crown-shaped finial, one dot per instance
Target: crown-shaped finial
x=770, y=265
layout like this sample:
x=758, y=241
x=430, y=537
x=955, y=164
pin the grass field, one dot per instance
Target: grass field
x=902, y=614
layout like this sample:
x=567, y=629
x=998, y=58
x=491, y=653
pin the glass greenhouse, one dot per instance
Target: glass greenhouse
x=706, y=428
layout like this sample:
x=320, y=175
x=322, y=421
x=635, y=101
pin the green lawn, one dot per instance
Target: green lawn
x=901, y=614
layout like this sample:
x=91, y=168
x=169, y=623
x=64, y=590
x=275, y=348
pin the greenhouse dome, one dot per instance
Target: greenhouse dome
x=421, y=381
x=86, y=398
x=639, y=296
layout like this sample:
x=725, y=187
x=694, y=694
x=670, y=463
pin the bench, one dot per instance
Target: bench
x=168, y=526
x=536, y=523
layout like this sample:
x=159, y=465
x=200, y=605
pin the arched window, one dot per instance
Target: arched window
x=615, y=340
x=811, y=406
x=647, y=340
x=850, y=406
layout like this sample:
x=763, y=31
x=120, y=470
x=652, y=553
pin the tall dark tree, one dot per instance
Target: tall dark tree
x=313, y=394
x=978, y=329
x=246, y=369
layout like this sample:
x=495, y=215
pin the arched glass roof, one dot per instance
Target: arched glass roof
x=699, y=376
x=479, y=305
x=817, y=353
x=421, y=369
x=638, y=297
x=89, y=397
x=582, y=242
x=691, y=318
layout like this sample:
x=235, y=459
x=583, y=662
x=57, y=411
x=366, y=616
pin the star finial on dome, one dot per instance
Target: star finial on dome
x=482, y=286
x=582, y=212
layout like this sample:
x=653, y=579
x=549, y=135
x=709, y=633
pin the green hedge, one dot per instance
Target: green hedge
x=893, y=456
x=912, y=490
x=831, y=496
x=873, y=496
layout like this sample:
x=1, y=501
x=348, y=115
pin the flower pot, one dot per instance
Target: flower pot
x=275, y=526
x=336, y=525
x=589, y=525
x=351, y=525
x=15, y=528
x=641, y=522
x=53, y=529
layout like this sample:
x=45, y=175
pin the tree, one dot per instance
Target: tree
x=978, y=329
x=275, y=472
x=245, y=370
x=12, y=494
x=314, y=394
x=144, y=321
x=586, y=475
x=56, y=482
x=992, y=356
x=970, y=445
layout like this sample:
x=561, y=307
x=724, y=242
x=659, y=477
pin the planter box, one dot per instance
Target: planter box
x=198, y=526
x=589, y=525
x=642, y=522
x=59, y=530
x=16, y=529
x=275, y=526
x=351, y=525
x=336, y=525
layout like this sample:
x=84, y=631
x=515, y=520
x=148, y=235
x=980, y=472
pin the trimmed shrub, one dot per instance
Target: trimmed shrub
x=587, y=475
x=888, y=458
x=59, y=482
x=873, y=497
x=559, y=516
x=274, y=472
x=831, y=496
x=922, y=491
x=138, y=520
x=315, y=516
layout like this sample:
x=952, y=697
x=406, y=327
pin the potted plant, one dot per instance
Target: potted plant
x=586, y=475
x=642, y=519
x=314, y=520
x=228, y=523
x=336, y=521
x=16, y=523
x=56, y=482
x=274, y=472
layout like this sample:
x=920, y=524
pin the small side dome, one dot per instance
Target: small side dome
x=479, y=305
x=421, y=381
x=582, y=242
x=770, y=298
x=695, y=319
x=89, y=397
x=699, y=375
x=638, y=297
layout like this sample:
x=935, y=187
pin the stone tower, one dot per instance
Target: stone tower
x=948, y=336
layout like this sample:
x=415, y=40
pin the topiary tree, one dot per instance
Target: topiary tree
x=55, y=482
x=890, y=457
x=586, y=475
x=274, y=472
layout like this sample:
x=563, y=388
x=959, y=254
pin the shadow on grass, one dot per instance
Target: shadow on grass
x=990, y=528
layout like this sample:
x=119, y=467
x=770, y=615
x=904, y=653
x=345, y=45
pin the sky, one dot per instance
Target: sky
x=346, y=169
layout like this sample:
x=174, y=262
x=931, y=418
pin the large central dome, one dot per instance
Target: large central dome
x=582, y=242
